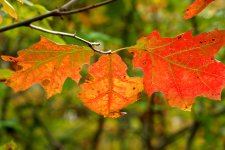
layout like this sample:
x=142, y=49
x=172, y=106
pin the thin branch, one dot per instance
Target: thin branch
x=193, y=131
x=56, y=12
x=120, y=49
x=28, y=21
x=171, y=138
x=96, y=138
x=192, y=128
x=148, y=125
x=219, y=113
x=92, y=45
x=68, y=5
x=86, y=8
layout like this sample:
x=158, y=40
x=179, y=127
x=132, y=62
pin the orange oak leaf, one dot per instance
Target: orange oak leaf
x=49, y=64
x=196, y=7
x=108, y=88
x=182, y=67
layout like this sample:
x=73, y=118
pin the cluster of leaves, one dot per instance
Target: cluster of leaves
x=196, y=7
x=182, y=68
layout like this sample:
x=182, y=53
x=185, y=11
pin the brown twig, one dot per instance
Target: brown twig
x=148, y=125
x=97, y=134
x=92, y=45
x=86, y=8
x=68, y=5
x=171, y=138
x=193, y=130
x=57, y=12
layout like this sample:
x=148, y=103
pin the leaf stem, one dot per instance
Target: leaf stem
x=92, y=45
x=120, y=49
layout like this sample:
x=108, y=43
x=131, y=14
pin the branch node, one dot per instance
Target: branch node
x=109, y=52
x=95, y=44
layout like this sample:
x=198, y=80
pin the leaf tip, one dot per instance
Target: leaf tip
x=115, y=114
x=186, y=17
x=155, y=33
x=9, y=58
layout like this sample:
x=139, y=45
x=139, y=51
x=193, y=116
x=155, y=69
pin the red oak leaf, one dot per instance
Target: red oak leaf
x=196, y=7
x=108, y=88
x=182, y=67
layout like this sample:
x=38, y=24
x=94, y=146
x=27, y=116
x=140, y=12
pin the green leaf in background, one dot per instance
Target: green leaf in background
x=8, y=8
x=5, y=74
x=8, y=146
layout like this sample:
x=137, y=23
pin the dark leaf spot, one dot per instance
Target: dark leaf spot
x=45, y=82
x=89, y=78
x=179, y=37
x=19, y=67
x=144, y=63
x=139, y=95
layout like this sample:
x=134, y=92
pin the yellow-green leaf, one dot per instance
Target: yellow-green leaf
x=7, y=7
x=5, y=74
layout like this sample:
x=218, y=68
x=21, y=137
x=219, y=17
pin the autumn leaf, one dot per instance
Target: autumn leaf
x=108, y=88
x=196, y=7
x=182, y=67
x=8, y=8
x=49, y=64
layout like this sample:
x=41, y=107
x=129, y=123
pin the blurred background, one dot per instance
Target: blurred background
x=29, y=121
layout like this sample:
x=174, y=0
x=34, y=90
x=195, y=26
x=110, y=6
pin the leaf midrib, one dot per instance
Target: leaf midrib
x=59, y=57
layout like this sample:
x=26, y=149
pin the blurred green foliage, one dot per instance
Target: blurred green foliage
x=63, y=123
